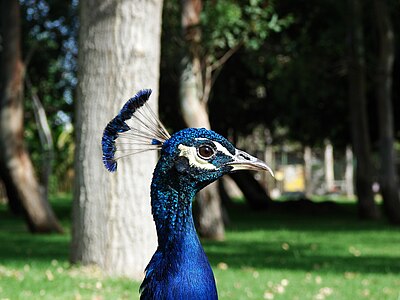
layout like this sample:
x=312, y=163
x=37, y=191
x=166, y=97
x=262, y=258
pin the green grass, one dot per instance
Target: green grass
x=265, y=256
x=37, y=267
x=285, y=256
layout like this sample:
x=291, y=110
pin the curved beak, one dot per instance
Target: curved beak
x=244, y=161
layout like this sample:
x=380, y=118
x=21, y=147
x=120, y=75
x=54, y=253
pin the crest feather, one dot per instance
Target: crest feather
x=135, y=129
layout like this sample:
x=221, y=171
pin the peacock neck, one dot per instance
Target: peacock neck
x=171, y=200
x=179, y=269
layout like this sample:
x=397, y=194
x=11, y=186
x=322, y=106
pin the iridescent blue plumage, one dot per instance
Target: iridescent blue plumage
x=190, y=159
x=179, y=269
x=118, y=125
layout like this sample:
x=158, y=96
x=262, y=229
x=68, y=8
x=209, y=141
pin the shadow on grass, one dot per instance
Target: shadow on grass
x=18, y=244
x=271, y=256
x=26, y=247
x=342, y=218
x=307, y=242
x=255, y=239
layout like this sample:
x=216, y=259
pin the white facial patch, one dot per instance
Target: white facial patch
x=194, y=160
x=222, y=149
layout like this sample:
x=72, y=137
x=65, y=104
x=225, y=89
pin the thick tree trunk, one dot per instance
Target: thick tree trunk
x=358, y=113
x=119, y=53
x=194, y=110
x=388, y=171
x=16, y=168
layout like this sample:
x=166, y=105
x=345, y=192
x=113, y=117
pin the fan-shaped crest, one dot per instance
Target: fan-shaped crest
x=134, y=130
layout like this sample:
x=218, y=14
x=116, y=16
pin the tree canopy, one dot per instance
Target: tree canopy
x=289, y=62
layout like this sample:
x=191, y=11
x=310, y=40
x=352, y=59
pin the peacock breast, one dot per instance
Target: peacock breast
x=180, y=271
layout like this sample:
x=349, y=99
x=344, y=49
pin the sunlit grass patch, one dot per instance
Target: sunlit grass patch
x=37, y=267
x=290, y=256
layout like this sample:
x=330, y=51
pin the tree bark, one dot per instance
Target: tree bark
x=194, y=110
x=119, y=53
x=358, y=114
x=388, y=172
x=16, y=169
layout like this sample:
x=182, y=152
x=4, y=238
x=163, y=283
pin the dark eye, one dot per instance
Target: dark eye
x=205, y=151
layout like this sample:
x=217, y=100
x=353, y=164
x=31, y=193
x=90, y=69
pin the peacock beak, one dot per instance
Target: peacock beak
x=244, y=161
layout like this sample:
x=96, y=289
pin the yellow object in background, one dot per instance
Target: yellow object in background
x=293, y=178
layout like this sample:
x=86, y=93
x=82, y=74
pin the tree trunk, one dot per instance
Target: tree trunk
x=194, y=110
x=119, y=53
x=16, y=169
x=329, y=168
x=210, y=220
x=269, y=156
x=308, y=170
x=46, y=140
x=349, y=173
x=358, y=114
x=388, y=171
x=255, y=194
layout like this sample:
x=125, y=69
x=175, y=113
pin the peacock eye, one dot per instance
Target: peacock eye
x=205, y=151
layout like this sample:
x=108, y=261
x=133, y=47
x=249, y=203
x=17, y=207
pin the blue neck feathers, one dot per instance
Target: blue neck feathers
x=171, y=201
x=179, y=269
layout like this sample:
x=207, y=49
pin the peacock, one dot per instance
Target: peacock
x=190, y=159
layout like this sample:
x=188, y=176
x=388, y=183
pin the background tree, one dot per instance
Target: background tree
x=300, y=71
x=310, y=60
x=16, y=168
x=388, y=173
x=358, y=113
x=194, y=109
x=119, y=53
x=49, y=30
x=210, y=37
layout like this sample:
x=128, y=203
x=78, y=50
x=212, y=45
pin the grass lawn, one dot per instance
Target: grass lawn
x=265, y=256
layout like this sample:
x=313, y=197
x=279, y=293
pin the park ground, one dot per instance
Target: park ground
x=266, y=255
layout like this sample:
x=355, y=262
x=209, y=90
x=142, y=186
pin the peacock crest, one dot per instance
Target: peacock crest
x=134, y=130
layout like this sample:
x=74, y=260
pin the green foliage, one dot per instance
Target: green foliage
x=221, y=24
x=265, y=256
x=49, y=30
x=63, y=174
x=226, y=24
x=295, y=82
x=289, y=76
x=310, y=63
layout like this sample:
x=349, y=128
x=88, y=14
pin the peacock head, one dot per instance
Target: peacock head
x=197, y=155
x=202, y=156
